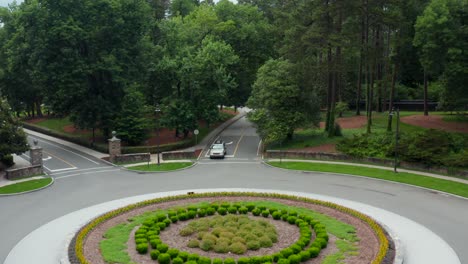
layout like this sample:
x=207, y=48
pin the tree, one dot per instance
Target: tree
x=132, y=124
x=279, y=104
x=12, y=135
x=441, y=37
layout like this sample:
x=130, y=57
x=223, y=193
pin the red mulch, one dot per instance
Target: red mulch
x=349, y=122
x=435, y=122
x=35, y=120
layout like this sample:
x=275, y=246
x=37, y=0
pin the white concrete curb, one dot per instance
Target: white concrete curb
x=46, y=244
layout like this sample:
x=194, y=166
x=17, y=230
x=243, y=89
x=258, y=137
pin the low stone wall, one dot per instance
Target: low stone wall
x=276, y=154
x=131, y=158
x=24, y=172
x=180, y=155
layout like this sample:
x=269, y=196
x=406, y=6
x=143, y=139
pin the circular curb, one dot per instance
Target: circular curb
x=151, y=172
x=365, y=177
x=30, y=191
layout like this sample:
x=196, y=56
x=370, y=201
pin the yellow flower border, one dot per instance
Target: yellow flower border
x=81, y=236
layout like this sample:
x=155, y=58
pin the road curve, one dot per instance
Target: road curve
x=445, y=215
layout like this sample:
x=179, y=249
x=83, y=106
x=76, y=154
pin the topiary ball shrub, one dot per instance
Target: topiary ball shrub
x=163, y=248
x=256, y=211
x=229, y=261
x=177, y=261
x=322, y=242
x=217, y=261
x=173, y=252
x=201, y=213
x=207, y=244
x=164, y=258
x=193, y=257
x=253, y=245
x=142, y=248
x=294, y=259
x=243, y=260
x=193, y=243
x=204, y=260
x=222, y=211
x=183, y=217
x=250, y=206
x=221, y=247
x=292, y=220
x=183, y=255
x=305, y=255
x=174, y=219
x=265, y=242
x=232, y=210
x=243, y=210
x=283, y=261
x=154, y=254
x=237, y=248
x=276, y=215
x=265, y=213
x=314, y=252
x=191, y=214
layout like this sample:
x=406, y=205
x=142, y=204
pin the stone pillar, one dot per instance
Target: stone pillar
x=114, y=147
x=36, y=154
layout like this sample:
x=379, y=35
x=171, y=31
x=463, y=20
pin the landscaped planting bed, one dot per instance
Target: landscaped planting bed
x=230, y=228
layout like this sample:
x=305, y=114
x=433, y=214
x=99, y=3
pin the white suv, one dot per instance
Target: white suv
x=218, y=149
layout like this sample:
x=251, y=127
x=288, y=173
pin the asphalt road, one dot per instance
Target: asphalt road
x=445, y=215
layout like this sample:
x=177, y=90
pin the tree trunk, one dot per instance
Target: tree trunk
x=426, y=110
x=378, y=48
x=361, y=61
x=329, y=88
x=38, y=108
x=392, y=95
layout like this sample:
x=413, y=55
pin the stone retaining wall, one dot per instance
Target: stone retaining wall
x=24, y=172
x=178, y=155
x=132, y=158
x=276, y=154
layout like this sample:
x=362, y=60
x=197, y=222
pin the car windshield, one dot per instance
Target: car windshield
x=218, y=146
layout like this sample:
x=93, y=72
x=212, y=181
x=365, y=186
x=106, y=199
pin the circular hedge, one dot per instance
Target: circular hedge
x=147, y=236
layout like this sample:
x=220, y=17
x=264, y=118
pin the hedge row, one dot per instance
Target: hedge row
x=81, y=235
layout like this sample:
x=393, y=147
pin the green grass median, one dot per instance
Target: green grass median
x=170, y=166
x=25, y=186
x=448, y=186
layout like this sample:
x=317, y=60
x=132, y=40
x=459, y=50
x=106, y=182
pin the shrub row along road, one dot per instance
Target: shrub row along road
x=444, y=215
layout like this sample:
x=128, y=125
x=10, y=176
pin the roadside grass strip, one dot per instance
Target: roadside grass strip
x=170, y=166
x=25, y=186
x=447, y=186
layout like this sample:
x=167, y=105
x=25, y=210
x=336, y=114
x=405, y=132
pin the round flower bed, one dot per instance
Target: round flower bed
x=222, y=223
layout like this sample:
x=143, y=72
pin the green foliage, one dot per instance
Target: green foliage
x=367, y=145
x=164, y=258
x=13, y=137
x=142, y=248
x=229, y=261
x=132, y=124
x=177, y=261
x=163, y=248
x=238, y=248
x=193, y=243
x=280, y=107
x=154, y=254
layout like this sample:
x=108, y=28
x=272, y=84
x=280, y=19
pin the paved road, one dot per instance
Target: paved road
x=447, y=216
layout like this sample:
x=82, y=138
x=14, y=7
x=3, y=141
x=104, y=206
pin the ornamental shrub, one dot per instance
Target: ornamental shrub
x=232, y=210
x=193, y=243
x=177, y=261
x=193, y=257
x=283, y=261
x=237, y=248
x=265, y=242
x=183, y=217
x=265, y=213
x=238, y=239
x=267, y=259
x=323, y=235
x=187, y=231
x=243, y=260
x=256, y=260
x=217, y=261
x=225, y=204
x=256, y=211
x=167, y=222
x=243, y=210
x=207, y=244
x=161, y=225
x=286, y=252
x=253, y=245
x=174, y=219
x=229, y=261
x=276, y=215
x=204, y=260
x=173, y=252
x=201, y=213
x=262, y=207
x=142, y=248
x=141, y=241
x=314, y=251
x=291, y=220
x=295, y=248
x=277, y=256
x=171, y=213
x=191, y=214
x=154, y=254
x=322, y=242
x=183, y=255
x=222, y=211
x=221, y=247
x=155, y=242
x=305, y=255
x=284, y=217
x=191, y=262
x=164, y=258
x=250, y=206
x=210, y=211
x=162, y=248
x=294, y=259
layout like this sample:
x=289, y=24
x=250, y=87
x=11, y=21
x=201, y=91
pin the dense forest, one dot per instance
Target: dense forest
x=109, y=63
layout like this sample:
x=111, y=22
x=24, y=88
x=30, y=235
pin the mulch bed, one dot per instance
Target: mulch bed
x=435, y=122
x=368, y=242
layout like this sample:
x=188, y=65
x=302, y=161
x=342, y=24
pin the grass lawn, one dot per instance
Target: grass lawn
x=402, y=177
x=56, y=124
x=170, y=166
x=25, y=186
